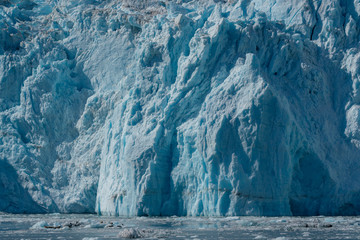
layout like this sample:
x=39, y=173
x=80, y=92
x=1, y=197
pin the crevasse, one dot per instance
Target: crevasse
x=198, y=108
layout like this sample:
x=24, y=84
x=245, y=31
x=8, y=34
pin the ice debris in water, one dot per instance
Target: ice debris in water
x=85, y=223
x=167, y=228
x=101, y=224
x=130, y=233
x=198, y=108
x=46, y=225
x=39, y=225
x=96, y=225
x=260, y=237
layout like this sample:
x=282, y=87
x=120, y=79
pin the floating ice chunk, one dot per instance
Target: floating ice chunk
x=72, y=224
x=40, y=225
x=46, y=225
x=130, y=233
x=246, y=223
x=96, y=225
x=260, y=237
x=329, y=220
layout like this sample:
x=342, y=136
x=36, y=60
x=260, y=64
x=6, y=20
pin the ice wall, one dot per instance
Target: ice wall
x=180, y=107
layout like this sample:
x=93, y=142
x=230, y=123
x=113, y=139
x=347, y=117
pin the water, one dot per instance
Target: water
x=76, y=226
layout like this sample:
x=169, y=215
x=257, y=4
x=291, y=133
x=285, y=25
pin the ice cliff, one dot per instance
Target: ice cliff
x=212, y=108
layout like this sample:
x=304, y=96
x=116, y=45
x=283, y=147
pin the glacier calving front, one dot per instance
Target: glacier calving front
x=180, y=108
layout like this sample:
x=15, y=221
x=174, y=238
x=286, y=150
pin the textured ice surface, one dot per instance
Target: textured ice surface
x=180, y=107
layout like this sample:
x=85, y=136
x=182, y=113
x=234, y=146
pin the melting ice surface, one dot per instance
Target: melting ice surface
x=198, y=108
x=94, y=227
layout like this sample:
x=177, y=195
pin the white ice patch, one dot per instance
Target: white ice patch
x=40, y=225
x=130, y=233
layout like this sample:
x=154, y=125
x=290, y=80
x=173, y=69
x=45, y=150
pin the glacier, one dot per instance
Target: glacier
x=189, y=108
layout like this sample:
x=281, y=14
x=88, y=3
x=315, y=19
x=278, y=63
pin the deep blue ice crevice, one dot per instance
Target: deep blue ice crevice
x=201, y=108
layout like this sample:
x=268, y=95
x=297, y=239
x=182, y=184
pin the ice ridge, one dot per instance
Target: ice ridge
x=198, y=108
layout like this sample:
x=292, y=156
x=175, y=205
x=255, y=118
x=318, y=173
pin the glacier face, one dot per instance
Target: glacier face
x=180, y=107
